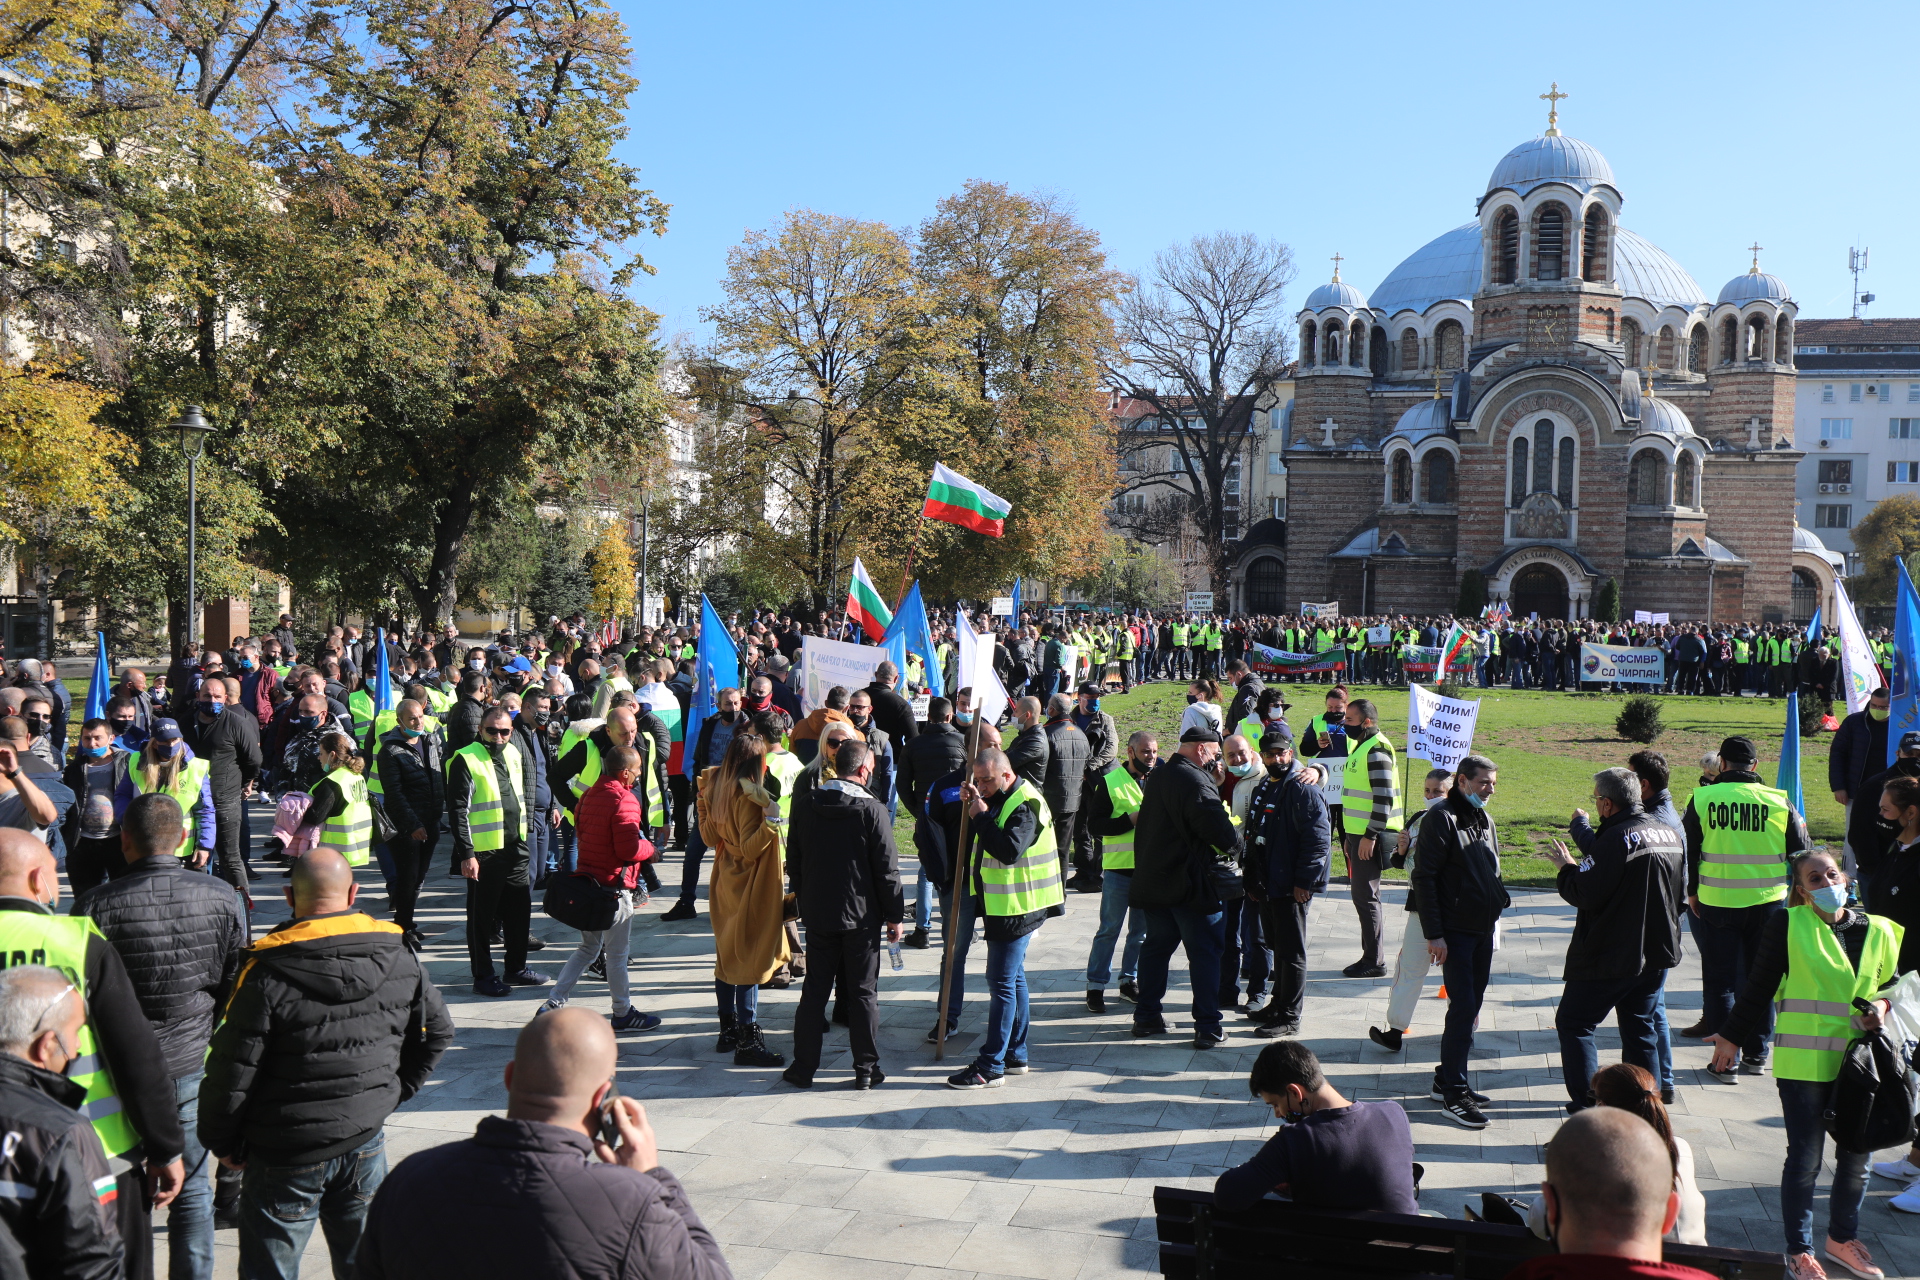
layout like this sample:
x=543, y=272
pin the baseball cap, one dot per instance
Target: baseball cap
x=1277, y=738
x=518, y=663
x=1089, y=687
x=1200, y=733
x=166, y=731
x=1910, y=741
x=1738, y=750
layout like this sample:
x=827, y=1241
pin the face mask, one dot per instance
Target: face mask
x=552, y=671
x=97, y=752
x=1878, y=713
x=514, y=712
x=726, y=717
x=1475, y=799
x=1279, y=770
x=1829, y=897
x=303, y=722
x=122, y=727
x=246, y=665
x=1192, y=698
x=212, y=708
x=963, y=717
x=477, y=666
x=1243, y=770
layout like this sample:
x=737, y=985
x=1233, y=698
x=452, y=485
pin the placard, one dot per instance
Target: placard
x=1331, y=609
x=826, y=663
x=1624, y=664
x=1439, y=729
x=1199, y=602
x=1002, y=607
x=921, y=702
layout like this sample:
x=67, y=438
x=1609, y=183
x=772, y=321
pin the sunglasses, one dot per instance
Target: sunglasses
x=498, y=733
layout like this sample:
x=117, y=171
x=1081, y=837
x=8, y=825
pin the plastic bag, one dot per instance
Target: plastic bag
x=1902, y=1023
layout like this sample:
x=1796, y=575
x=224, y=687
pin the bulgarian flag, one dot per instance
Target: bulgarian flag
x=865, y=606
x=957, y=500
x=1458, y=640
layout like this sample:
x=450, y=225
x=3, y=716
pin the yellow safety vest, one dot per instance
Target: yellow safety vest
x=381, y=724
x=192, y=776
x=785, y=766
x=1123, y=789
x=1126, y=644
x=1356, y=788
x=60, y=942
x=1213, y=638
x=350, y=831
x=1743, y=843
x=487, y=816
x=442, y=700
x=360, y=703
x=1814, y=1006
x=1033, y=881
x=1180, y=634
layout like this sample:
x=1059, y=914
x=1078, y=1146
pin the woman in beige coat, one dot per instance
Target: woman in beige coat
x=745, y=894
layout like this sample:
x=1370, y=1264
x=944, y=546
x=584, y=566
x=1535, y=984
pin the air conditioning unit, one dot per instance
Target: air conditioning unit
x=1824, y=444
x=1843, y=488
x=1826, y=488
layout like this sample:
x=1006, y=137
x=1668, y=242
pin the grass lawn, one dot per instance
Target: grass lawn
x=1548, y=747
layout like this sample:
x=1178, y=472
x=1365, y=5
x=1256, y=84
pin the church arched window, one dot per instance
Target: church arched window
x=1630, y=340
x=1519, y=487
x=1506, y=247
x=1563, y=483
x=1402, y=478
x=1436, y=485
x=1449, y=343
x=1550, y=243
x=1330, y=353
x=1543, y=456
x=1357, y=344
x=1593, y=256
x=1309, y=337
x=1647, y=479
x=1685, y=476
x=1697, y=349
x=1757, y=344
x=1409, y=351
x=1783, y=341
x=1729, y=340
x=1377, y=352
x=1663, y=352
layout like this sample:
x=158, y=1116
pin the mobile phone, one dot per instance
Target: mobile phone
x=609, y=1128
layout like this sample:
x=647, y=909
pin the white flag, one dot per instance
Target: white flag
x=976, y=672
x=1857, y=666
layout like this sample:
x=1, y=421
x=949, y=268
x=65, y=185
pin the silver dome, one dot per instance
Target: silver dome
x=1664, y=417
x=1429, y=417
x=1337, y=294
x=1449, y=268
x=1551, y=158
x=1754, y=286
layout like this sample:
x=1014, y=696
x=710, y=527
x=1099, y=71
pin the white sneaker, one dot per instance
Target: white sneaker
x=1907, y=1201
x=1901, y=1170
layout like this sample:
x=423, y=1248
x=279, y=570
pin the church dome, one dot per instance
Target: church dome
x=1805, y=541
x=1754, y=286
x=1336, y=294
x=1664, y=417
x=1552, y=157
x=1429, y=417
x=1449, y=268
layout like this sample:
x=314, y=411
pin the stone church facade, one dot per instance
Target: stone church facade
x=1546, y=397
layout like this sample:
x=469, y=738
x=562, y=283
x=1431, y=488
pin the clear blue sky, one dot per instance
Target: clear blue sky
x=1366, y=129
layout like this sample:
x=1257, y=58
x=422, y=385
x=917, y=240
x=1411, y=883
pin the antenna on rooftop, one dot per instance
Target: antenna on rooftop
x=1856, y=263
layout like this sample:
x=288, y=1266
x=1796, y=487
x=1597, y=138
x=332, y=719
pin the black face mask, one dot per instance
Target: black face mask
x=726, y=717
x=122, y=727
x=1192, y=698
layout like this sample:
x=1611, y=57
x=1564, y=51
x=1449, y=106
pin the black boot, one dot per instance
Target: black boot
x=752, y=1051
x=729, y=1035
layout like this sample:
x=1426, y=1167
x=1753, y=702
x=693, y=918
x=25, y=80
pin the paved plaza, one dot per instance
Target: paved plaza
x=1050, y=1176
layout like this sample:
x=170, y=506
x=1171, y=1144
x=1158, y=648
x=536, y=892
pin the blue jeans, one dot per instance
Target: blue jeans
x=279, y=1204
x=690, y=866
x=1466, y=972
x=1663, y=1040
x=742, y=1004
x=1801, y=1104
x=923, y=901
x=1200, y=933
x=1114, y=886
x=1006, y=1042
x=190, y=1216
x=1584, y=1003
x=1729, y=939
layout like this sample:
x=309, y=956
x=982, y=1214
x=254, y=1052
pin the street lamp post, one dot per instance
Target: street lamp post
x=194, y=430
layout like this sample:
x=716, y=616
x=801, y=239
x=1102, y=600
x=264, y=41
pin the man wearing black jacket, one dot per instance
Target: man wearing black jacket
x=180, y=935
x=1629, y=891
x=1029, y=749
x=1870, y=836
x=332, y=1024
x=1289, y=848
x=933, y=753
x=230, y=744
x=847, y=880
x=891, y=711
x=414, y=793
x=463, y=722
x=136, y=1068
x=1183, y=832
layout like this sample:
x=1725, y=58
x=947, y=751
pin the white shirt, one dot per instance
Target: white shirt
x=1201, y=713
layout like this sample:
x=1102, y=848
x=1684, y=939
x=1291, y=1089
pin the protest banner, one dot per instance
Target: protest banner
x=1270, y=661
x=1327, y=611
x=1199, y=602
x=1623, y=663
x=1418, y=659
x=1002, y=607
x=1439, y=730
x=826, y=663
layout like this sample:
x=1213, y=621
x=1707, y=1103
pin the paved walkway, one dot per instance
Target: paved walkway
x=1050, y=1177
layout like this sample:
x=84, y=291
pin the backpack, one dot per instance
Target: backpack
x=1871, y=1107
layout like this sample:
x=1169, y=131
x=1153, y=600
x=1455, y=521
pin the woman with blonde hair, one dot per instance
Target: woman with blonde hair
x=739, y=822
x=167, y=764
x=340, y=808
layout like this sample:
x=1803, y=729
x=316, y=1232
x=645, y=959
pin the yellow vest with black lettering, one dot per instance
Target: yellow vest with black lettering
x=187, y=782
x=1033, y=881
x=487, y=815
x=1356, y=787
x=1180, y=634
x=1813, y=1009
x=785, y=766
x=349, y=832
x=1743, y=843
x=1126, y=644
x=60, y=942
x=1123, y=789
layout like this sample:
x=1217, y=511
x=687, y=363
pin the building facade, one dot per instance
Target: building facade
x=1545, y=397
x=1857, y=419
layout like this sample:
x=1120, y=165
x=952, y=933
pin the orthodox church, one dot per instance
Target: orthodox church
x=1542, y=395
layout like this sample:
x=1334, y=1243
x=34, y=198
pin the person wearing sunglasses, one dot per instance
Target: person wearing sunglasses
x=488, y=812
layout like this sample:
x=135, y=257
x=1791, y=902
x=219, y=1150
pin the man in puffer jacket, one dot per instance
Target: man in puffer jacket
x=180, y=934
x=331, y=1025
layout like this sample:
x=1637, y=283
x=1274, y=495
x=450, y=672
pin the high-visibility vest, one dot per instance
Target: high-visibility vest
x=656, y=796
x=60, y=942
x=487, y=815
x=1356, y=788
x=1123, y=789
x=1126, y=644
x=381, y=724
x=1740, y=651
x=360, y=704
x=1033, y=881
x=1813, y=1009
x=1180, y=634
x=349, y=832
x=1342, y=741
x=785, y=766
x=1213, y=638
x=1252, y=729
x=442, y=699
x=187, y=784
x=280, y=670
x=1743, y=843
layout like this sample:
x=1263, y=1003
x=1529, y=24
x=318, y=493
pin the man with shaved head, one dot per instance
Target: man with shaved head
x=332, y=1024
x=550, y=1206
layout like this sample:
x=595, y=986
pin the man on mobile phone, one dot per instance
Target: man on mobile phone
x=622, y=1216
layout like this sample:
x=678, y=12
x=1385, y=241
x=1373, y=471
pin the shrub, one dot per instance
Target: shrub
x=1813, y=709
x=1606, y=606
x=1639, y=719
x=1455, y=690
x=1473, y=595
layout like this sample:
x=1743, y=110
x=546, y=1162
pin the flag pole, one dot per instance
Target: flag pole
x=906, y=574
x=958, y=916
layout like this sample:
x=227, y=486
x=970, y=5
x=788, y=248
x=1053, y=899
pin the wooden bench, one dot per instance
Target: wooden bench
x=1199, y=1241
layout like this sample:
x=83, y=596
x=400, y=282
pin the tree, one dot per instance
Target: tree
x=1200, y=344
x=1132, y=578
x=563, y=586
x=1606, y=605
x=1885, y=538
x=1473, y=594
x=612, y=571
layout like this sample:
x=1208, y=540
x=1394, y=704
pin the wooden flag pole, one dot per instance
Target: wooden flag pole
x=906, y=574
x=958, y=918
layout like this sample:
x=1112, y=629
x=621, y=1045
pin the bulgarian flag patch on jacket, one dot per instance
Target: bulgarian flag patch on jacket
x=106, y=1190
x=957, y=500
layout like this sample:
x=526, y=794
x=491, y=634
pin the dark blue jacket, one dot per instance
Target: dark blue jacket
x=1289, y=836
x=1859, y=751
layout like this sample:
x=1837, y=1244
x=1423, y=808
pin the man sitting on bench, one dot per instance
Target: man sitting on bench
x=1609, y=1198
x=1329, y=1153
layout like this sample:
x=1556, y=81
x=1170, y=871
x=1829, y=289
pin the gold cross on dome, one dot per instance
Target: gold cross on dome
x=1553, y=97
x=1755, y=248
x=1336, y=268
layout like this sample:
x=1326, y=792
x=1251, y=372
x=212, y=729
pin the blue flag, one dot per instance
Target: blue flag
x=1788, y=779
x=1014, y=621
x=99, y=690
x=909, y=626
x=716, y=666
x=1905, y=715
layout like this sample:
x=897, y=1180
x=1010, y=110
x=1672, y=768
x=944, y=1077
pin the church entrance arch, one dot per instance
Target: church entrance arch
x=1542, y=589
